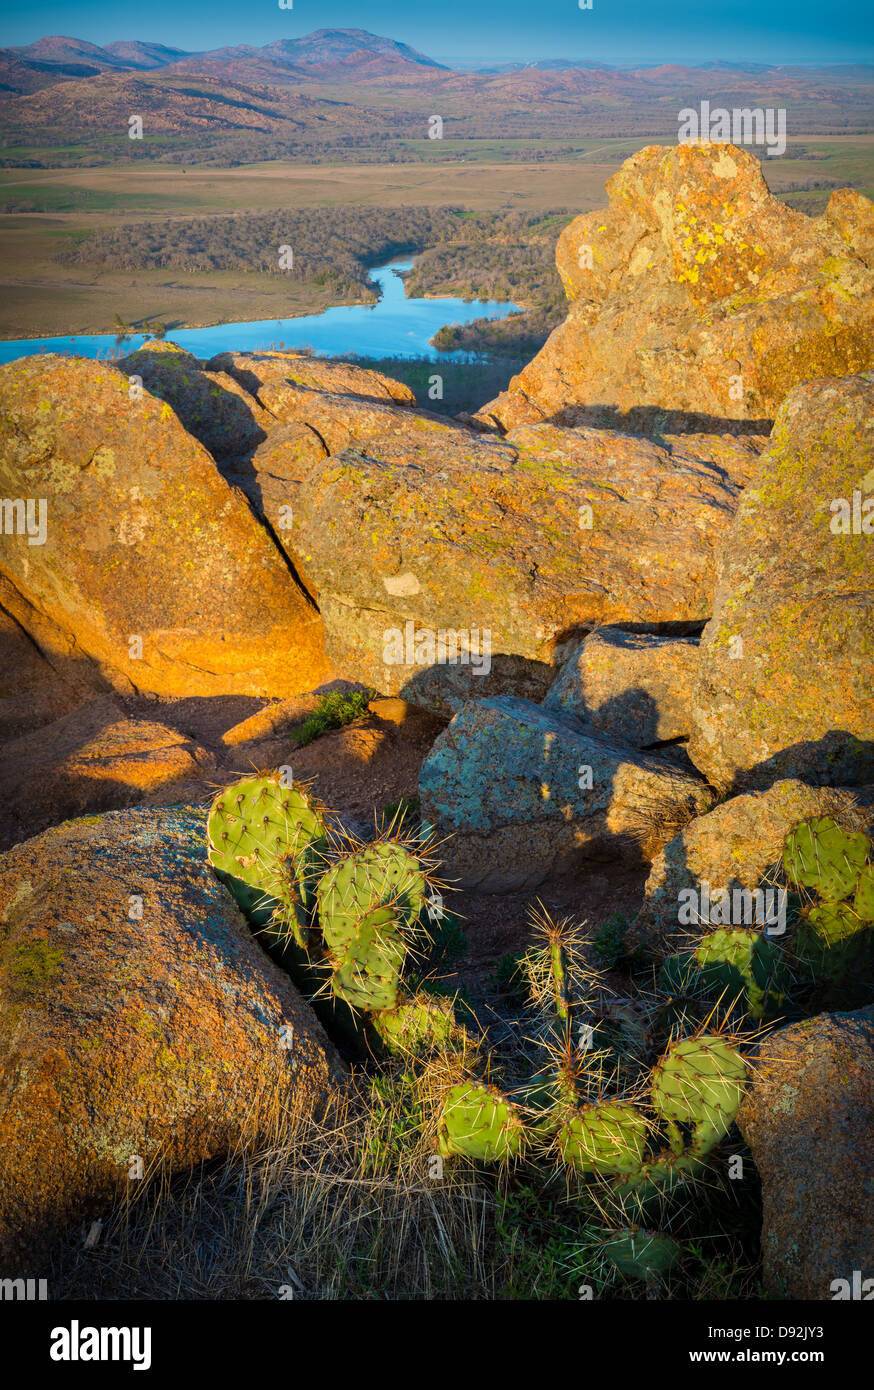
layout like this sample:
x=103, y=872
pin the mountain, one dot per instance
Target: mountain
x=61, y=50
x=330, y=46
x=133, y=53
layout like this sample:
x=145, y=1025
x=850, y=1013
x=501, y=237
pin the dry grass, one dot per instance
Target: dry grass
x=353, y=1205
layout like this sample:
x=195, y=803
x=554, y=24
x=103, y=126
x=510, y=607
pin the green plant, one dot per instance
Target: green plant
x=608, y=942
x=347, y=917
x=744, y=963
x=268, y=842
x=833, y=934
x=641, y=1254
x=333, y=711
x=481, y=1122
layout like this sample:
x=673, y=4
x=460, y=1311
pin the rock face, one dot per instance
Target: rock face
x=525, y=792
x=211, y=405
x=92, y=759
x=737, y=843
x=120, y=1036
x=697, y=292
x=633, y=686
x=785, y=683
x=531, y=539
x=143, y=540
x=253, y=371
x=809, y=1121
x=32, y=693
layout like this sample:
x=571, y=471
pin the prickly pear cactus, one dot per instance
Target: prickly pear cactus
x=833, y=940
x=481, y=1122
x=382, y=875
x=366, y=964
x=267, y=841
x=741, y=962
x=698, y=1082
x=863, y=899
x=641, y=1254
x=419, y=1026
x=369, y=904
x=608, y=1137
x=820, y=855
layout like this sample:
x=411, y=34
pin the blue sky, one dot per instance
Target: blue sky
x=619, y=31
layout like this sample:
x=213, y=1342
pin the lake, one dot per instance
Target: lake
x=393, y=327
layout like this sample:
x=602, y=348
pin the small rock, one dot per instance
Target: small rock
x=634, y=686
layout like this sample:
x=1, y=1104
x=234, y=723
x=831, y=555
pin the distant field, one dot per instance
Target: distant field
x=55, y=207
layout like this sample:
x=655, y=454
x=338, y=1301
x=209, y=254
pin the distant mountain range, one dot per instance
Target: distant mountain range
x=349, y=94
x=326, y=53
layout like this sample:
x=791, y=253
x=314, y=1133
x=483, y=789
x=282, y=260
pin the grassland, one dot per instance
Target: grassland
x=48, y=210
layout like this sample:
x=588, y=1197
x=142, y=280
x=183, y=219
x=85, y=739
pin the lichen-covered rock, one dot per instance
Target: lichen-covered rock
x=309, y=425
x=634, y=686
x=32, y=692
x=253, y=370
x=737, y=844
x=151, y=565
x=695, y=291
x=522, y=792
x=809, y=1121
x=531, y=539
x=785, y=683
x=92, y=759
x=139, y=1019
x=211, y=405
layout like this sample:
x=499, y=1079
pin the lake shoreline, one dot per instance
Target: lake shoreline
x=390, y=325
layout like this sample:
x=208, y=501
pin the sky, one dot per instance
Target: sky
x=617, y=31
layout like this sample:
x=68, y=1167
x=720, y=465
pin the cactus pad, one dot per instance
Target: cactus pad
x=267, y=842
x=367, y=964
x=641, y=1254
x=481, y=1122
x=863, y=902
x=607, y=1137
x=740, y=960
x=819, y=854
x=419, y=1026
x=382, y=875
x=699, y=1082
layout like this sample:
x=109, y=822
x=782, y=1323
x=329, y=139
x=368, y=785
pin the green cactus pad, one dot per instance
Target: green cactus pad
x=267, y=842
x=367, y=966
x=481, y=1122
x=607, y=1137
x=419, y=1026
x=382, y=875
x=863, y=902
x=641, y=1254
x=699, y=1082
x=819, y=854
x=741, y=961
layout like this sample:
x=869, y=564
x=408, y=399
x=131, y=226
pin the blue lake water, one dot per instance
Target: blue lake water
x=394, y=327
